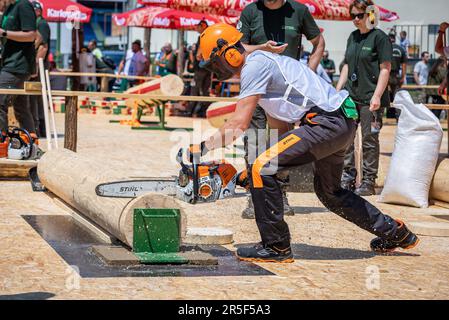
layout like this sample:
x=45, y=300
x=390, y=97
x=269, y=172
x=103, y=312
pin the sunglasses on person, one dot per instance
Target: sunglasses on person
x=357, y=15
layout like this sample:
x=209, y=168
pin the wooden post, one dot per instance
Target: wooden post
x=147, y=42
x=71, y=112
x=147, y=48
x=180, y=60
x=447, y=90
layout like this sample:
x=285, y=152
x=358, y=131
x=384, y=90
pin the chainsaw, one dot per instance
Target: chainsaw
x=196, y=182
x=21, y=145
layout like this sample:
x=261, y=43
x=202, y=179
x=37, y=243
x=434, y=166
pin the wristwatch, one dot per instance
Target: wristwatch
x=4, y=33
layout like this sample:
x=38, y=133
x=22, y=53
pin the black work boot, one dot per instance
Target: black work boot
x=366, y=189
x=403, y=238
x=265, y=253
x=348, y=185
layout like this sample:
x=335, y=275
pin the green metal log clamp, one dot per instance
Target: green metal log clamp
x=157, y=236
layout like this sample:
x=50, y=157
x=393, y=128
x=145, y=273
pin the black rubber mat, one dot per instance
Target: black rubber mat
x=73, y=243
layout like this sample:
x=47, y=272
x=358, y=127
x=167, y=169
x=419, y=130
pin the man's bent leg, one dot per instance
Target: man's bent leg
x=267, y=197
x=348, y=205
x=255, y=139
x=349, y=175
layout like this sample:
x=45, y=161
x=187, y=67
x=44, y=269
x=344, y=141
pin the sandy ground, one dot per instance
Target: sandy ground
x=333, y=260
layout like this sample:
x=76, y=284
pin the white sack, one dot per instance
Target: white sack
x=415, y=155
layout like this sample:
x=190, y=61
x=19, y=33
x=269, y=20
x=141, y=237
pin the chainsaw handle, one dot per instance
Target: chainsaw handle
x=195, y=172
x=196, y=158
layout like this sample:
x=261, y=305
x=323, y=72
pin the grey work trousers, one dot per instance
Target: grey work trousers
x=370, y=147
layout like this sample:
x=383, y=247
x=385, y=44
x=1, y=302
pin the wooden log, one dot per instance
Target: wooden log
x=74, y=177
x=98, y=74
x=219, y=113
x=439, y=190
x=15, y=168
x=168, y=85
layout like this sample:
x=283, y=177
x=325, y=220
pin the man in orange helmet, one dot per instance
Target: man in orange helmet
x=291, y=93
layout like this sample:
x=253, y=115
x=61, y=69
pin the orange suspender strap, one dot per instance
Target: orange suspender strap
x=270, y=154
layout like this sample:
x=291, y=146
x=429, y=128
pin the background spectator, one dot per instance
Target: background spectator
x=167, y=63
x=92, y=46
x=157, y=59
x=421, y=75
x=139, y=65
x=88, y=65
x=404, y=42
x=328, y=65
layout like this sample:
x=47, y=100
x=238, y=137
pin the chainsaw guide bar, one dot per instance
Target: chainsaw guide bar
x=136, y=188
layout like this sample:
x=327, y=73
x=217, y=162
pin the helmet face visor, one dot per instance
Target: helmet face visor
x=218, y=64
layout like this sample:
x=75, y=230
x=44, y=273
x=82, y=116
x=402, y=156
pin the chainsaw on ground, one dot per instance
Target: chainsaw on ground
x=21, y=145
x=196, y=182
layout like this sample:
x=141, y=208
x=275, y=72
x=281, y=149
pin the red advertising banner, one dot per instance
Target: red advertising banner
x=320, y=9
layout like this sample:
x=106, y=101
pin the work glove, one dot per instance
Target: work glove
x=242, y=179
x=195, y=151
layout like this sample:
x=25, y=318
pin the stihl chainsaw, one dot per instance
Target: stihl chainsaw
x=197, y=182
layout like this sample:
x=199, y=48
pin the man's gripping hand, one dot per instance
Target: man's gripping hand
x=274, y=47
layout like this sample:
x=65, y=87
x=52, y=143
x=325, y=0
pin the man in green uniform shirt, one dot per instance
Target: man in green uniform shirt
x=17, y=32
x=276, y=26
x=42, y=45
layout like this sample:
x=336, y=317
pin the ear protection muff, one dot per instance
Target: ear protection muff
x=232, y=54
x=233, y=57
x=224, y=60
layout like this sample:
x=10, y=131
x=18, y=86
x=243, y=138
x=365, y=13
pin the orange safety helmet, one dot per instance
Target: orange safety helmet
x=221, y=50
